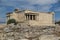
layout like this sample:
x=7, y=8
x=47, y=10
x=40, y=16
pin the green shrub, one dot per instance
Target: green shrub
x=11, y=21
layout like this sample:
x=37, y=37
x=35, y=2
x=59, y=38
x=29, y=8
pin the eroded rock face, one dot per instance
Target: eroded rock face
x=48, y=37
x=24, y=32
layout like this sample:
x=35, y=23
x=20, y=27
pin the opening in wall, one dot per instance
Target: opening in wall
x=30, y=17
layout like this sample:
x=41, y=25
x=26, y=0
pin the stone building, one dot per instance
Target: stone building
x=32, y=18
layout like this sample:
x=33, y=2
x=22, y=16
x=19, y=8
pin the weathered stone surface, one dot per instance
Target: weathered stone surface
x=25, y=32
x=34, y=18
x=48, y=37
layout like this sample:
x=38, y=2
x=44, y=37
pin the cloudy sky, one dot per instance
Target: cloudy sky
x=35, y=5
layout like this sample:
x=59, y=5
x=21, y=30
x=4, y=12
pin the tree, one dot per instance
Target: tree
x=11, y=21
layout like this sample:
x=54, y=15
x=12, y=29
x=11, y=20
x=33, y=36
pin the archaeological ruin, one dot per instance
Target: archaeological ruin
x=32, y=18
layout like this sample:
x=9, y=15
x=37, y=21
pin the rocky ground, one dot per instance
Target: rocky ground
x=26, y=32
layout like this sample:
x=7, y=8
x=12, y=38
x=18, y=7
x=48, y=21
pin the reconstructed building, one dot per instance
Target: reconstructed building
x=32, y=18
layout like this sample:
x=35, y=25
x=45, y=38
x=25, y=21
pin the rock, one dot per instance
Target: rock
x=24, y=32
x=7, y=30
x=48, y=37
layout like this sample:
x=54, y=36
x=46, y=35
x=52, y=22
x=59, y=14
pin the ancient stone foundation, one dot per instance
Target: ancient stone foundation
x=26, y=32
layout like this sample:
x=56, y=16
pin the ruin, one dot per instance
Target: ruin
x=32, y=18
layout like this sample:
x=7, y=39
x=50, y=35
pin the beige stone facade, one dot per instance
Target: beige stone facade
x=32, y=18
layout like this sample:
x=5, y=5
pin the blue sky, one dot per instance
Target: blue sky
x=35, y=5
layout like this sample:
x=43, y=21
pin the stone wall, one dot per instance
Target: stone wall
x=43, y=19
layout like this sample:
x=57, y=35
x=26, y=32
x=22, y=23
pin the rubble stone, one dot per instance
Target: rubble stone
x=24, y=32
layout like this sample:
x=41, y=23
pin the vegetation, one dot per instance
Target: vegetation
x=11, y=21
x=58, y=22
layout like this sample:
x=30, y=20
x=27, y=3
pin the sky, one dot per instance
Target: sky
x=35, y=5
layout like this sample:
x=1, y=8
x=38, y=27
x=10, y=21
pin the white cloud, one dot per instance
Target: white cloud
x=45, y=5
x=42, y=2
x=32, y=2
x=57, y=9
x=2, y=9
x=45, y=8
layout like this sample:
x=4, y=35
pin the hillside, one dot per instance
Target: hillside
x=26, y=32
